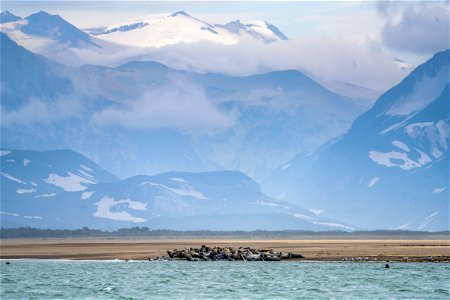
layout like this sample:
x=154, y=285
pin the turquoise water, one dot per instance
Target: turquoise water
x=48, y=279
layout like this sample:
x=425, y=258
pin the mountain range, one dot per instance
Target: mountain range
x=258, y=121
x=61, y=188
x=180, y=27
x=59, y=40
x=390, y=170
x=324, y=160
x=148, y=38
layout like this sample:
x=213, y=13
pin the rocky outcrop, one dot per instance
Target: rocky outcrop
x=205, y=253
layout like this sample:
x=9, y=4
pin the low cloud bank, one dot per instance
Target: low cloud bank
x=366, y=64
x=181, y=105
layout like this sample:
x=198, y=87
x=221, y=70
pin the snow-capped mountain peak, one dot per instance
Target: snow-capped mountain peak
x=6, y=17
x=46, y=25
x=180, y=27
x=257, y=29
x=180, y=13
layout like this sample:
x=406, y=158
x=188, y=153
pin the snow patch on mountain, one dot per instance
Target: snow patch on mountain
x=414, y=129
x=270, y=204
x=71, y=183
x=334, y=225
x=398, y=159
x=86, y=168
x=188, y=190
x=4, y=152
x=269, y=32
x=84, y=174
x=427, y=220
x=403, y=226
x=401, y=145
x=184, y=190
x=179, y=180
x=45, y=195
x=424, y=158
x=303, y=217
x=316, y=211
x=32, y=217
x=285, y=166
x=18, y=215
x=438, y=190
x=436, y=134
x=114, y=209
x=373, y=181
x=86, y=195
x=12, y=178
x=423, y=93
x=25, y=191
x=6, y=17
x=258, y=30
x=329, y=224
x=9, y=213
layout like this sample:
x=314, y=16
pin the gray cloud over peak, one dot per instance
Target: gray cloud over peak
x=415, y=27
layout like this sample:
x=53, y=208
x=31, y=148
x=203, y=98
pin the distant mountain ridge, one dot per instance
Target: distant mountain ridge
x=6, y=16
x=63, y=189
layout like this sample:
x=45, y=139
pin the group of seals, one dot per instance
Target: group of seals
x=205, y=253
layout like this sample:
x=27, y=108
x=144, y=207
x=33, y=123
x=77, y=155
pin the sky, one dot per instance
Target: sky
x=410, y=31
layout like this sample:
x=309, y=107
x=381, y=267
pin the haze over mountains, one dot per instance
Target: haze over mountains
x=324, y=160
x=252, y=123
x=182, y=41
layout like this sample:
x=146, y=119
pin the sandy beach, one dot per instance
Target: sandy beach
x=436, y=249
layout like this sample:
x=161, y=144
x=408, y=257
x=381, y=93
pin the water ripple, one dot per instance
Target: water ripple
x=40, y=279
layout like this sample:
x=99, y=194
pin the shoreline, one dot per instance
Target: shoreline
x=358, y=250
x=442, y=260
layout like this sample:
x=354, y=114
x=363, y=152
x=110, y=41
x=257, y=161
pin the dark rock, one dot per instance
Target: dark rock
x=205, y=253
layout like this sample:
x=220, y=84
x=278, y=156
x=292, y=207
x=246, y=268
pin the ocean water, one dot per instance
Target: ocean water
x=52, y=279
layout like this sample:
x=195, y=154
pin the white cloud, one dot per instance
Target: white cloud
x=180, y=105
x=38, y=111
x=364, y=64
